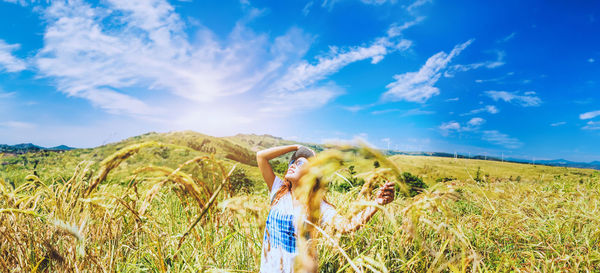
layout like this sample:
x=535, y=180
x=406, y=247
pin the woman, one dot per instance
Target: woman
x=279, y=241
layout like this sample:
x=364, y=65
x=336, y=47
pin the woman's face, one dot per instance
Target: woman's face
x=297, y=169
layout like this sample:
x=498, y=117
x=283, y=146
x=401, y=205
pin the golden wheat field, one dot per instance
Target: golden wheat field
x=150, y=205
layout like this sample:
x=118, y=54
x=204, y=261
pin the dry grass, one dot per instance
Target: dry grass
x=163, y=219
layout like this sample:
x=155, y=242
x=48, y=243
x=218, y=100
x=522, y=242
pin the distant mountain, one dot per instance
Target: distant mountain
x=243, y=148
x=567, y=163
x=556, y=162
x=29, y=147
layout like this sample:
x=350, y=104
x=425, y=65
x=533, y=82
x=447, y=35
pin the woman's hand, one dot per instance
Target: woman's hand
x=386, y=194
x=263, y=157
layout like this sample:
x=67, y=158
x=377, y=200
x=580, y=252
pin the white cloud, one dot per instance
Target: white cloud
x=488, y=108
x=452, y=99
x=20, y=2
x=354, y=108
x=526, y=100
x=306, y=8
x=304, y=78
x=405, y=113
x=472, y=125
x=418, y=86
x=417, y=4
x=507, y=38
x=592, y=125
x=474, y=122
x=8, y=62
x=449, y=126
x=303, y=74
x=466, y=67
x=108, y=54
x=417, y=112
x=558, y=123
x=590, y=115
x=396, y=30
x=495, y=137
x=377, y=2
x=410, y=8
x=304, y=99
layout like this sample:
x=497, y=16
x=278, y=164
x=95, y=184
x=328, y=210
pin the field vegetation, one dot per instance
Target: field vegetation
x=187, y=202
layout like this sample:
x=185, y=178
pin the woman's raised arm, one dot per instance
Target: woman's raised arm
x=341, y=224
x=263, y=157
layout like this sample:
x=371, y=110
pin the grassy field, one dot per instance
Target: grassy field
x=187, y=202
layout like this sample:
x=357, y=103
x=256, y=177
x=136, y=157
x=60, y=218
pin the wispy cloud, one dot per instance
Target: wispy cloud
x=417, y=112
x=416, y=4
x=495, y=137
x=488, y=108
x=498, y=79
x=487, y=64
x=591, y=60
x=9, y=62
x=20, y=2
x=592, y=125
x=356, y=108
x=474, y=122
x=452, y=99
x=419, y=86
x=589, y=115
x=526, y=100
x=306, y=8
x=507, y=38
x=556, y=124
x=377, y=2
x=405, y=113
x=305, y=77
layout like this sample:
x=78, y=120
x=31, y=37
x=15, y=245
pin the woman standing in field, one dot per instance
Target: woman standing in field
x=279, y=242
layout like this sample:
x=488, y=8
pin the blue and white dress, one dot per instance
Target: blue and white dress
x=279, y=240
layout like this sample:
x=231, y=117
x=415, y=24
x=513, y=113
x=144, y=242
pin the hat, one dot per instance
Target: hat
x=301, y=152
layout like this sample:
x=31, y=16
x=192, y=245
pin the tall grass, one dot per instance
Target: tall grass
x=183, y=219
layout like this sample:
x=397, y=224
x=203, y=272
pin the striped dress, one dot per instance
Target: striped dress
x=279, y=240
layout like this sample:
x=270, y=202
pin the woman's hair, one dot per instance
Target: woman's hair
x=287, y=185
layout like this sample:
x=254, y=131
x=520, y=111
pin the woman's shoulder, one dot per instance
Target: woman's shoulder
x=277, y=182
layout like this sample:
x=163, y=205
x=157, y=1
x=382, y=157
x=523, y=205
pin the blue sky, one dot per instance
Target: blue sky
x=512, y=77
